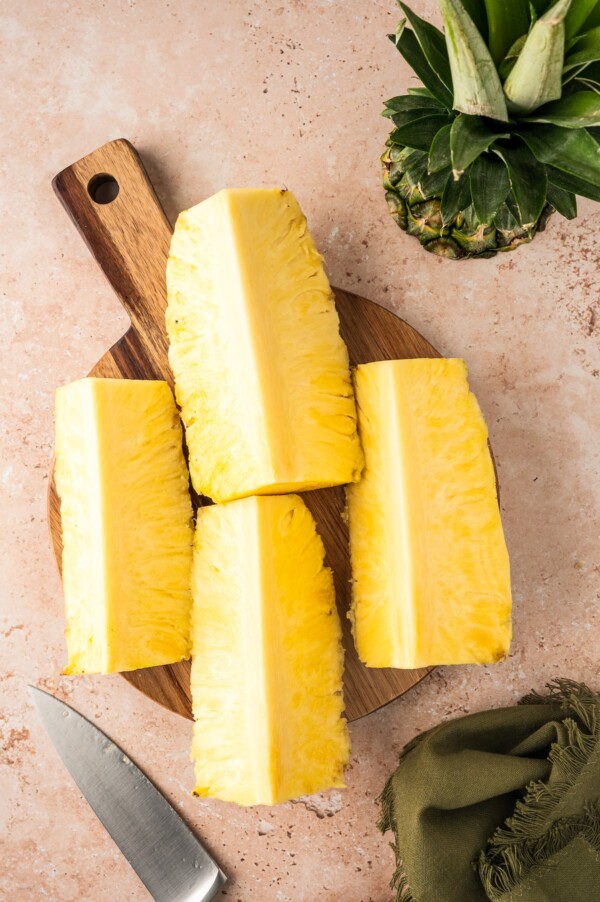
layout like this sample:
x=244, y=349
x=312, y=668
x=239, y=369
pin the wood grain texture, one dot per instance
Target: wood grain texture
x=129, y=237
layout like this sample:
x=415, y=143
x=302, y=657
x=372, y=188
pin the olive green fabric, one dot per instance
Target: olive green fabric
x=502, y=805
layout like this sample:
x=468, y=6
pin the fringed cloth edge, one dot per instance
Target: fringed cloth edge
x=512, y=850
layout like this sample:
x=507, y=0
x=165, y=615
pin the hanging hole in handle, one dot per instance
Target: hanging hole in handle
x=103, y=188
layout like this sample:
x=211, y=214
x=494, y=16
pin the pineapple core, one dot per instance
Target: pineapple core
x=267, y=656
x=261, y=372
x=126, y=525
x=429, y=562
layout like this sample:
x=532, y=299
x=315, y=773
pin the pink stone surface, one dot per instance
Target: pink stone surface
x=262, y=93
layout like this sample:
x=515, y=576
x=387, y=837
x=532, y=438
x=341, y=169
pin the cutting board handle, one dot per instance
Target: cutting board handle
x=110, y=198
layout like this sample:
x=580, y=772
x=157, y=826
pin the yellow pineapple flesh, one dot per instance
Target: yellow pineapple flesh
x=429, y=562
x=126, y=525
x=267, y=657
x=261, y=372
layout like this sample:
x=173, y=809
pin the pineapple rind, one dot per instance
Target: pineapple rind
x=267, y=657
x=261, y=372
x=127, y=525
x=429, y=560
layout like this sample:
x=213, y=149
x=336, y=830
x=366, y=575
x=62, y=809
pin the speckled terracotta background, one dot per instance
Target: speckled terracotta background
x=260, y=93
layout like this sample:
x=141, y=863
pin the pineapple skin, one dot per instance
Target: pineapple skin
x=430, y=567
x=267, y=659
x=126, y=525
x=419, y=213
x=261, y=372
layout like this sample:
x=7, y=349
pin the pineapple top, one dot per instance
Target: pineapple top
x=508, y=116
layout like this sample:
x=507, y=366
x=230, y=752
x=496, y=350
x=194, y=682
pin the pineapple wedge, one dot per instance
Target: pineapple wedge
x=267, y=657
x=261, y=372
x=429, y=561
x=126, y=525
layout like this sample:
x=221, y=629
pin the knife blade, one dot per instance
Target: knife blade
x=156, y=842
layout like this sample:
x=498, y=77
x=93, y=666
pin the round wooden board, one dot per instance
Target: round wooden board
x=134, y=260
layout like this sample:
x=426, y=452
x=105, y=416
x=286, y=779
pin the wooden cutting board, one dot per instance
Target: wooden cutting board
x=129, y=236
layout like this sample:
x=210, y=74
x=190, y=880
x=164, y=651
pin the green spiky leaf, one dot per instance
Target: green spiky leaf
x=593, y=19
x=419, y=91
x=585, y=50
x=410, y=49
x=571, y=183
x=409, y=102
x=469, y=137
x=477, y=88
x=569, y=76
x=489, y=186
x=412, y=158
x=400, y=26
x=456, y=197
x=416, y=168
x=540, y=6
x=578, y=110
x=470, y=218
x=571, y=149
x=508, y=63
x=432, y=43
x=507, y=21
x=406, y=116
x=578, y=61
x=419, y=133
x=579, y=13
x=439, y=152
x=477, y=12
x=433, y=184
x=504, y=219
x=528, y=182
x=536, y=77
x=512, y=205
x=564, y=202
x=590, y=77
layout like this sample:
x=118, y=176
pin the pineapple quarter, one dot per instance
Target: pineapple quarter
x=431, y=578
x=267, y=658
x=261, y=371
x=126, y=525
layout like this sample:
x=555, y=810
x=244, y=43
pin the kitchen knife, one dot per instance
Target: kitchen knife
x=158, y=845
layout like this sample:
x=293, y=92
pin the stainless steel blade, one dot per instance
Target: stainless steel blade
x=153, y=838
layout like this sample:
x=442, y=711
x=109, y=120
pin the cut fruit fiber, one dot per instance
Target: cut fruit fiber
x=126, y=525
x=261, y=372
x=267, y=657
x=429, y=562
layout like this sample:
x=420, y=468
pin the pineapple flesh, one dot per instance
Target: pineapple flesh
x=261, y=371
x=429, y=562
x=126, y=525
x=267, y=657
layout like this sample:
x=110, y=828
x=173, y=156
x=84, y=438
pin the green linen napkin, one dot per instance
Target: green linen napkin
x=503, y=805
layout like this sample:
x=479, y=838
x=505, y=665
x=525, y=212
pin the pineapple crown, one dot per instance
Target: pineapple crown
x=507, y=121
